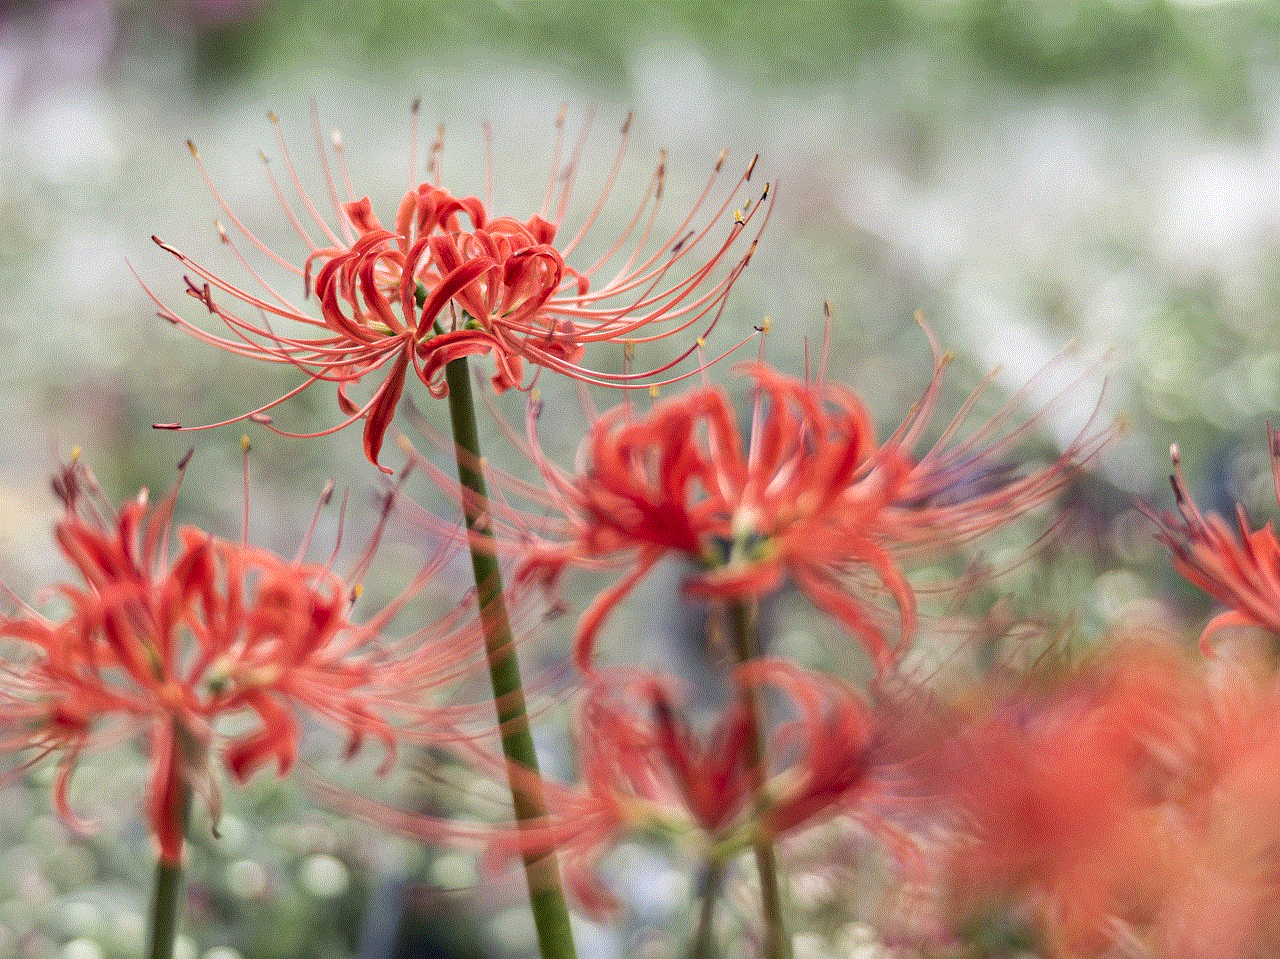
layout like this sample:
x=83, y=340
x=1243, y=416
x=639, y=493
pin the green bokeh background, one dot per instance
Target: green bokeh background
x=1025, y=174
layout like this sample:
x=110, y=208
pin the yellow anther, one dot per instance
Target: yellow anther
x=653, y=391
x=244, y=443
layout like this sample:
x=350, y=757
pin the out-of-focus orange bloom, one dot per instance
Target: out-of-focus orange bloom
x=645, y=776
x=450, y=280
x=638, y=749
x=1129, y=808
x=1065, y=801
x=163, y=638
x=1223, y=896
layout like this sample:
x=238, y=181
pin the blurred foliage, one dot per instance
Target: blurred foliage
x=1034, y=43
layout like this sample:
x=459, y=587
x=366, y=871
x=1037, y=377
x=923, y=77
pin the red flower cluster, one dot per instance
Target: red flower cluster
x=639, y=752
x=166, y=645
x=1060, y=794
x=1127, y=808
x=451, y=280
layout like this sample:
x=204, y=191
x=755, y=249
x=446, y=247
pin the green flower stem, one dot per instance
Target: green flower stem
x=164, y=909
x=542, y=871
x=704, y=938
x=167, y=895
x=746, y=646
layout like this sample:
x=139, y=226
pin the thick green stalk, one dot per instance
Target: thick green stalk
x=542, y=871
x=167, y=895
x=777, y=941
x=164, y=909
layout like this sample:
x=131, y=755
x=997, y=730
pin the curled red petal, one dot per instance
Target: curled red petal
x=382, y=409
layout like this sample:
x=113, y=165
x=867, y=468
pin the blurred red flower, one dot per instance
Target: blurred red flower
x=646, y=776
x=1223, y=895
x=1064, y=800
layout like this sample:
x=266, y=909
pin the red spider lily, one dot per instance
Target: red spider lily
x=165, y=646
x=645, y=776
x=1131, y=803
x=1238, y=567
x=802, y=499
x=810, y=496
x=451, y=280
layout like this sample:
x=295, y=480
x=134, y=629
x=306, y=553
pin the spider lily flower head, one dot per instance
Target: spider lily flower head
x=450, y=279
x=810, y=495
x=1239, y=567
x=645, y=776
x=1131, y=801
x=164, y=635
x=801, y=499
